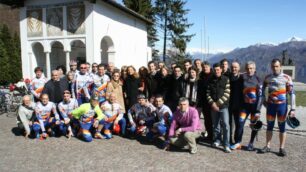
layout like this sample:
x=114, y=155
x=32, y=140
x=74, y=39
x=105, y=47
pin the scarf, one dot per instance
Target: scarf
x=194, y=93
x=116, y=84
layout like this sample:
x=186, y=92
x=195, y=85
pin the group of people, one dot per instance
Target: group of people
x=98, y=101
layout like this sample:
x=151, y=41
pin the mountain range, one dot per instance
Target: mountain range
x=263, y=53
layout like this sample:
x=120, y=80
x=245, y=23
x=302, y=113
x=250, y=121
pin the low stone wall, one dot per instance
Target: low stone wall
x=298, y=86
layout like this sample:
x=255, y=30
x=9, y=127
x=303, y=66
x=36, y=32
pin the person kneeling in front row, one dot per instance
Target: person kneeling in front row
x=185, y=127
x=26, y=115
x=91, y=119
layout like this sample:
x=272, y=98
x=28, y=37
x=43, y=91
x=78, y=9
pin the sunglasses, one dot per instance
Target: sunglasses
x=83, y=68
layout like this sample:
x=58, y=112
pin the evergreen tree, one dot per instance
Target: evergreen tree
x=174, y=23
x=7, y=39
x=10, y=56
x=4, y=62
x=15, y=62
x=145, y=8
x=178, y=25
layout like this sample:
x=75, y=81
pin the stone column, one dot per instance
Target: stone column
x=111, y=56
x=48, y=65
x=67, y=60
x=30, y=65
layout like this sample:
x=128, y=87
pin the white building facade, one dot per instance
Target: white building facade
x=55, y=32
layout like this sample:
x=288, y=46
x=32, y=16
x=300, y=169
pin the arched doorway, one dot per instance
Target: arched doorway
x=39, y=59
x=57, y=55
x=78, y=51
x=107, y=50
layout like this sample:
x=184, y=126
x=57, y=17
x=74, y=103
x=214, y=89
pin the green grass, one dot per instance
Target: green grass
x=301, y=98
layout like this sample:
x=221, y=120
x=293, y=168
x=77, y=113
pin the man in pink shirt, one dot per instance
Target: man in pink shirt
x=185, y=127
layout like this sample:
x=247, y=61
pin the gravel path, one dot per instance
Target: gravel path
x=118, y=154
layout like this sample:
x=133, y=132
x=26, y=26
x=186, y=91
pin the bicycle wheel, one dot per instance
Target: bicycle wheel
x=14, y=103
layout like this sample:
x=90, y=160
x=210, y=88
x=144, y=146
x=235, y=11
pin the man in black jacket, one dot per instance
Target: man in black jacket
x=176, y=90
x=152, y=80
x=225, y=67
x=204, y=77
x=218, y=94
x=55, y=87
x=236, y=100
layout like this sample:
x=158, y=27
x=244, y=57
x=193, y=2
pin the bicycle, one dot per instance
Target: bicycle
x=16, y=101
x=4, y=101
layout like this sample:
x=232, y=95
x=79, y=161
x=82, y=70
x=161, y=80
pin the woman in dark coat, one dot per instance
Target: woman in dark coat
x=132, y=87
x=191, y=87
x=163, y=83
x=143, y=73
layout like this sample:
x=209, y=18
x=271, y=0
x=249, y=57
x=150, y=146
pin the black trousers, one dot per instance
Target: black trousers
x=234, y=114
x=207, y=120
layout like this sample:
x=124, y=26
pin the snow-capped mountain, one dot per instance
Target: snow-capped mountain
x=294, y=38
x=263, y=53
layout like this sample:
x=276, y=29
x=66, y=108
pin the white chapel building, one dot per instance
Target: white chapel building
x=54, y=32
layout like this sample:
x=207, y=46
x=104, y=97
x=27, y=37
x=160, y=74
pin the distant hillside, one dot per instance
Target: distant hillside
x=262, y=54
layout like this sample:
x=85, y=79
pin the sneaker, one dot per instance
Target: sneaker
x=227, y=149
x=235, y=146
x=186, y=147
x=98, y=136
x=193, y=151
x=250, y=147
x=69, y=135
x=264, y=150
x=282, y=152
x=216, y=144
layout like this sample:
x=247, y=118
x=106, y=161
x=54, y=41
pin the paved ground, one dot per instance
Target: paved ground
x=118, y=154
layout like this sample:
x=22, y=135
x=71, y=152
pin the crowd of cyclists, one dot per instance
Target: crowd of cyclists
x=96, y=101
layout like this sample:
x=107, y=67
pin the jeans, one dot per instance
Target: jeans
x=223, y=117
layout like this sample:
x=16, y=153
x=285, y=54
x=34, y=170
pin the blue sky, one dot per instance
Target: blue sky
x=240, y=23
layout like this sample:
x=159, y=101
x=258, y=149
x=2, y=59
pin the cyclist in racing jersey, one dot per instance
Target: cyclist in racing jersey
x=252, y=95
x=141, y=116
x=100, y=80
x=91, y=119
x=279, y=86
x=65, y=108
x=164, y=118
x=37, y=83
x=46, y=117
x=81, y=87
x=116, y=122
